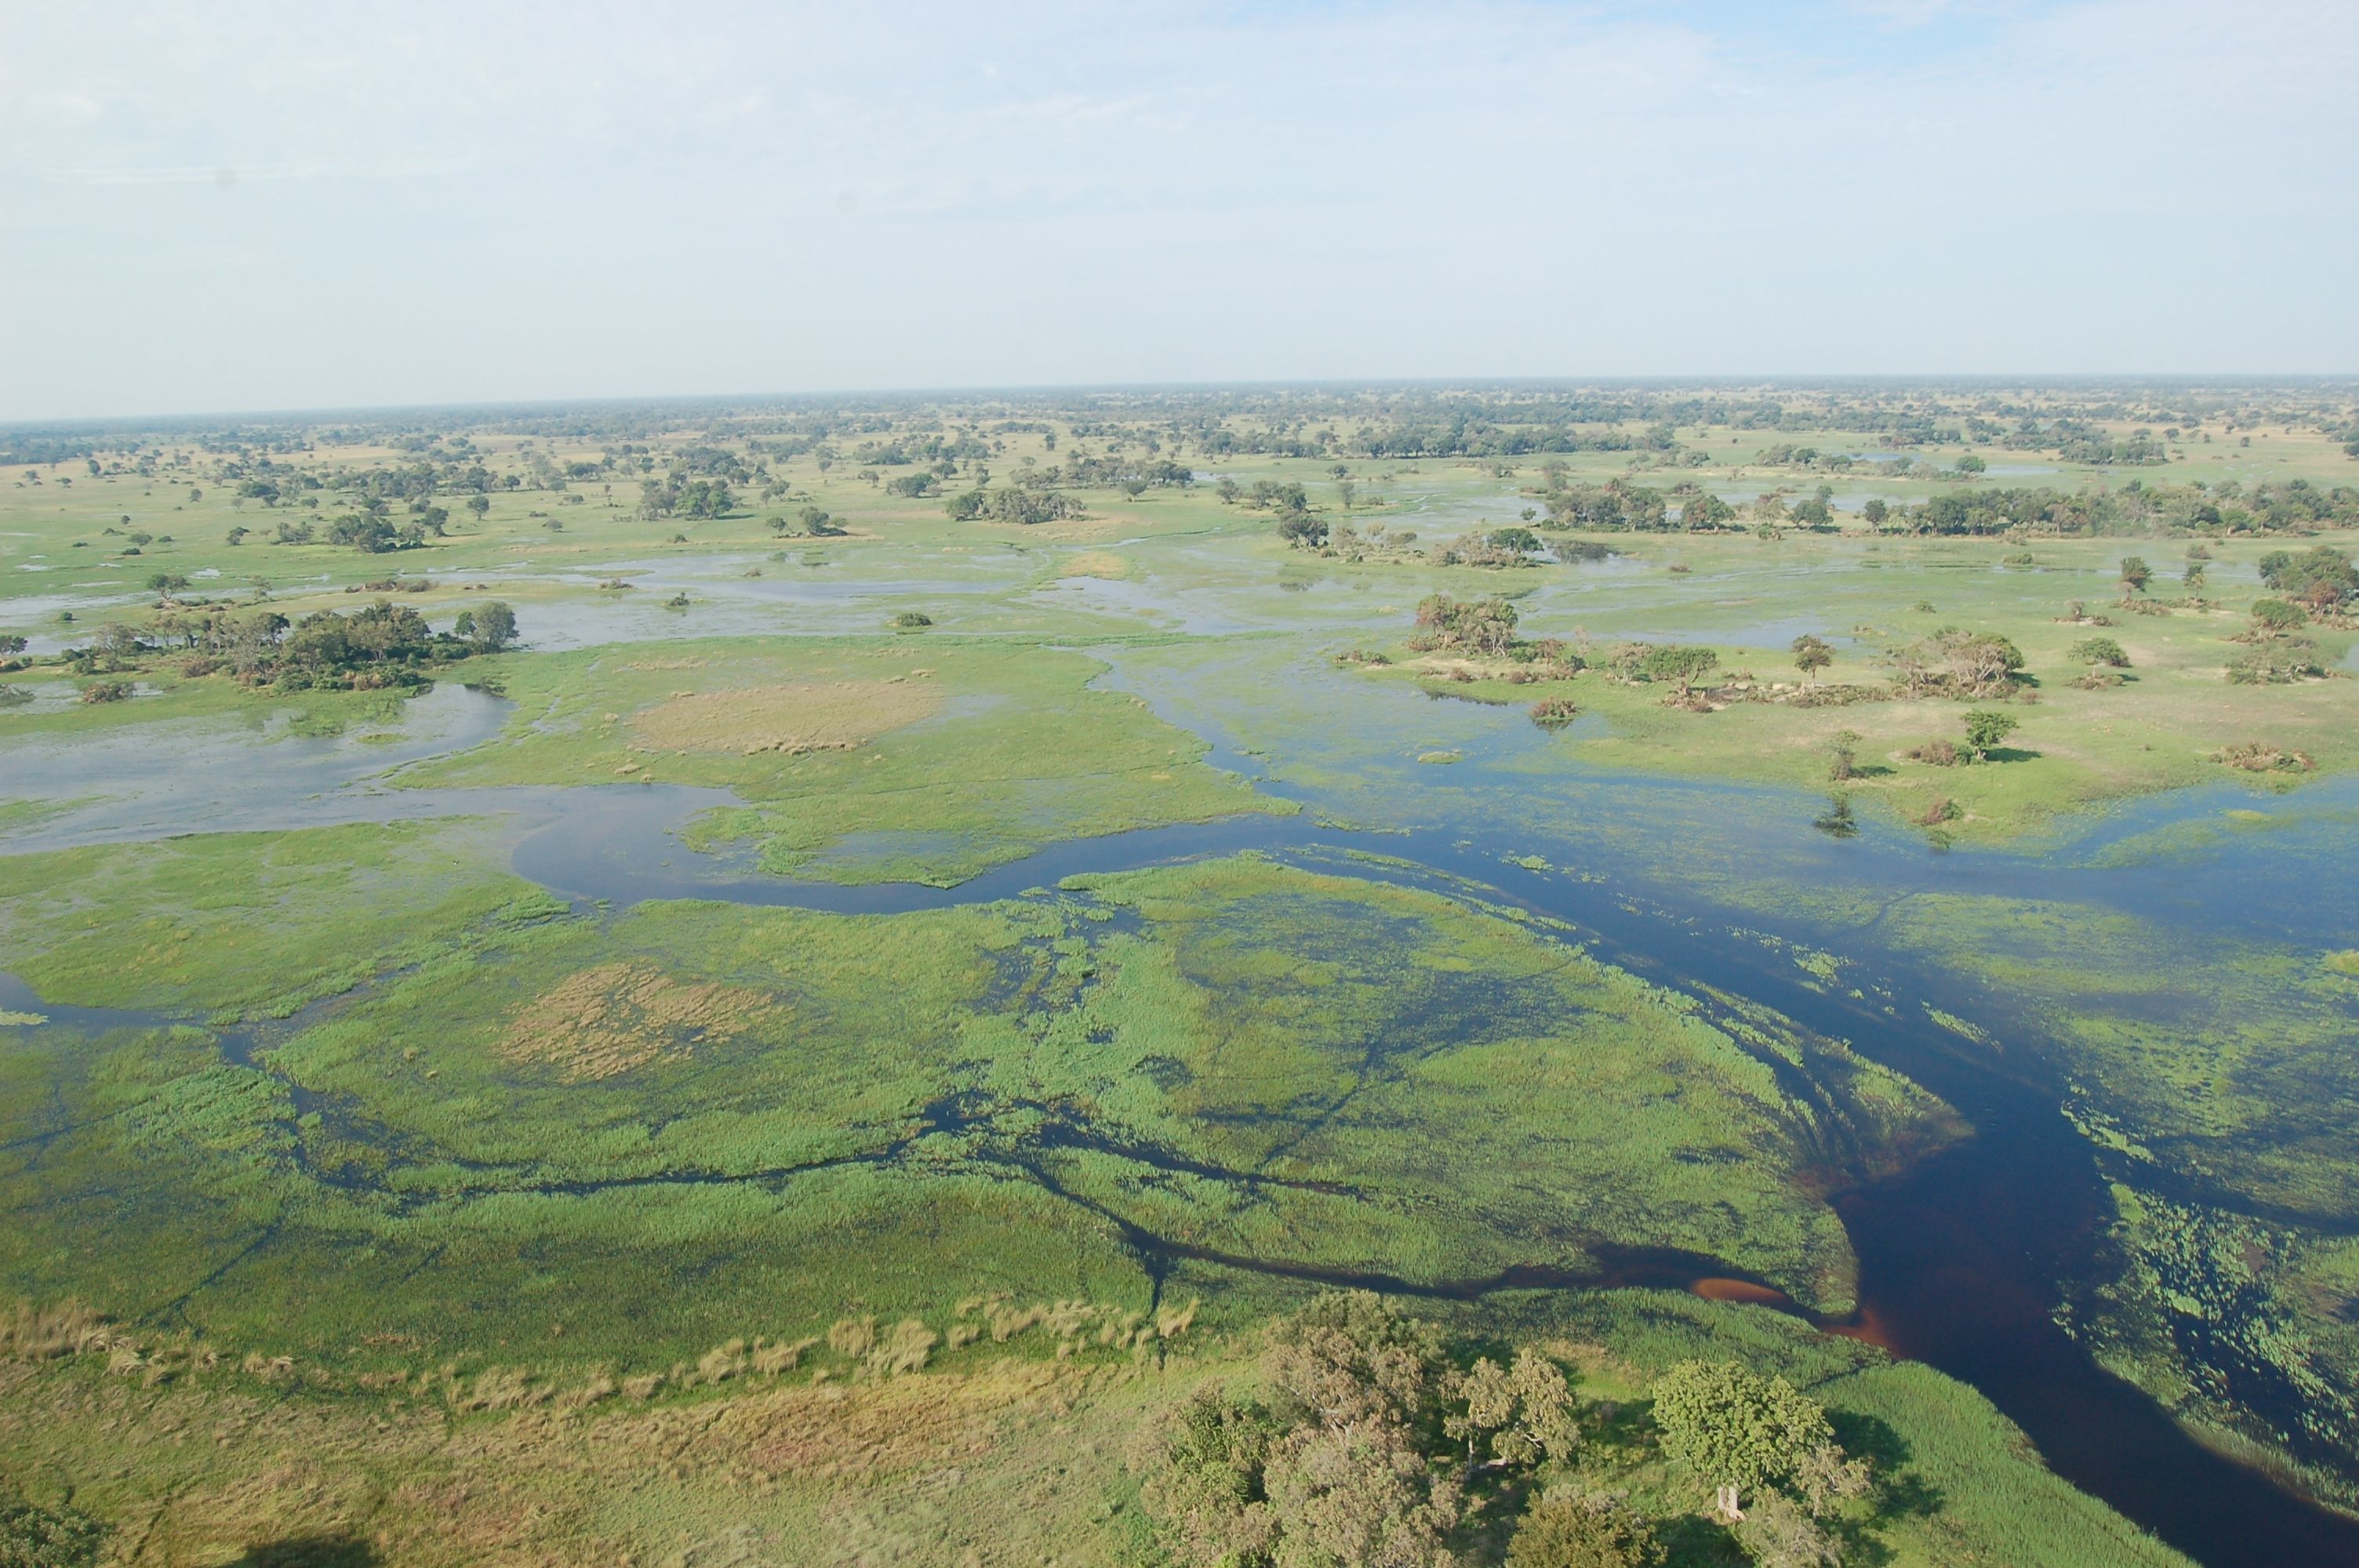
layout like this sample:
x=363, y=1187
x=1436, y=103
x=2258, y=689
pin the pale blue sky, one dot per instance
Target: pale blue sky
x=243, y=205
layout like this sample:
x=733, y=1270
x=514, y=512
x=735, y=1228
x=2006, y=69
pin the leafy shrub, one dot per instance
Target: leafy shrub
x=2101, y=651
x=2276, y=663
x=2259, y=757
x=1585, y=1532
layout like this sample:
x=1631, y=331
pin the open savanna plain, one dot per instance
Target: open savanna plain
x=787, y=982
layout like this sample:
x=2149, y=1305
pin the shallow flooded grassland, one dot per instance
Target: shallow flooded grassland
x=535, y=1125
x=888, y=760
x=799, y=1056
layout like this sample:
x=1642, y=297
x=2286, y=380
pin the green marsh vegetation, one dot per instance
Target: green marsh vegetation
x=482, y=1202
x=858, y=760
x=1167, y=1082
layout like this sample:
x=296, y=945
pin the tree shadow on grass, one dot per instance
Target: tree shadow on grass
x=310, y=1551
x=1899, y=1492
x=1691, y=1541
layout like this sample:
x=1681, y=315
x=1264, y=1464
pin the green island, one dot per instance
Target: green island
x=1499, y=974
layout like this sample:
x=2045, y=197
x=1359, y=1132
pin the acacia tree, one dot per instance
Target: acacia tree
x=1812, y=655
x=1682, y=664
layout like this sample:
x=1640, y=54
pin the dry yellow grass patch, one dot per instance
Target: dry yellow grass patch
x=615, y=1017
x=835, y=1430
x=835, y=717
x=1095, y=563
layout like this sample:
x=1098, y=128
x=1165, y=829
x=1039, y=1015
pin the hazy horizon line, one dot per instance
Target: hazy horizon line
x=1784, y=381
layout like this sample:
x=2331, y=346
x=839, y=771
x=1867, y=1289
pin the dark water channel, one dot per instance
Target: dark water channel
x=1963, y=1260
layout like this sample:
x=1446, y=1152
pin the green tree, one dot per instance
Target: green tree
x=1484, y=626
x=1358, y=1497
x=1202, y=1480
x=1812, y=655
x=2274, y=617
x=1523, y=541
x=1683, y=663
x=480, y=504
x=1705, y=511
x=1585, y=1532
x=2321, y=575
x=489, y=628
x=1735, y=1428
x=33, y=1537
x=1302, y=532
x=1985, y=728
x=371, y=535
x=1331, y=1474
x=1522, y=1413
x=1349, y=1357
x=2134, y=575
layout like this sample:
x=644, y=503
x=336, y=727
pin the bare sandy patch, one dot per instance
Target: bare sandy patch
x=814, y=717
x=615, y=1017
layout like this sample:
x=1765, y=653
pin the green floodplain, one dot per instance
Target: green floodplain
x=1261, y=977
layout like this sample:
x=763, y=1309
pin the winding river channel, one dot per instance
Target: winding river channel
x=1963, y=1258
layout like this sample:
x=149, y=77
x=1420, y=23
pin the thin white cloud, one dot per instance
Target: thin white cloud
x=1051, y=190
x=230, y=175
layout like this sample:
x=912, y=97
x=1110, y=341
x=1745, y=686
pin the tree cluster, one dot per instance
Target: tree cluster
x=1012, y=503
x=1362, y=1451
x=1484, y=627
x=381, y=644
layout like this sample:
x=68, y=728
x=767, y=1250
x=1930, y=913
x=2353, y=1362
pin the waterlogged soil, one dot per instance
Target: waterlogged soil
x=1963, y=1261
